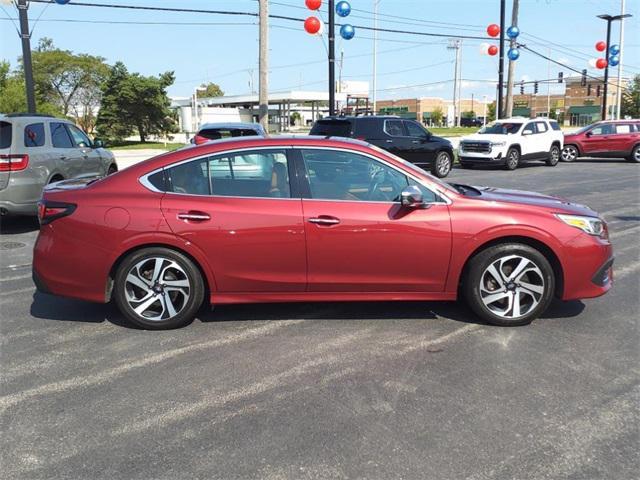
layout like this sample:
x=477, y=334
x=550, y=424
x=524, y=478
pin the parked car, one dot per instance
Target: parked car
x=329, y=220
x=610, y=139
x=217, y=131
x=404, y=138
x=36, y=150
x=507, y=142
x=471, y=122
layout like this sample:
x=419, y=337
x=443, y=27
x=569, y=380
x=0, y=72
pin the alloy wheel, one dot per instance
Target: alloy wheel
x=512, y=160
x=512, y=286
x=569, y=153
x=157, y=288
x=443, y=164
x=554, y=156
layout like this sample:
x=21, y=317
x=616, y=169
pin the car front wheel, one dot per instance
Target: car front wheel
x=509, y=284
x=554, y=156
x=513, y=158
x=158, y=289
x=442, y=165
x=569, y=153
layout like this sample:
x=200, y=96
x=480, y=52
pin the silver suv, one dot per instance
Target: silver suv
x=36, y=150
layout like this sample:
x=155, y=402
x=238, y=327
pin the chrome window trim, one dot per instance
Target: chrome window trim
x=144, y=180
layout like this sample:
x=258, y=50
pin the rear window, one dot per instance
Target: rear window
x=34, y=135
x=332, y=128
x=5, y=134
x=218, y=133
x=554, y=125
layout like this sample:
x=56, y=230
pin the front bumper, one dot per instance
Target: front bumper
x=587, y=266
x=481, y=159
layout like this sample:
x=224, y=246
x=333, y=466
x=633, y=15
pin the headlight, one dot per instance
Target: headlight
x=591, y=225
x=498, y=144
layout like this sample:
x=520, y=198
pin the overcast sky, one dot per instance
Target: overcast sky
x=408, y=65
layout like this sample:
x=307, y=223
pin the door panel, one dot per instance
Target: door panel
x=376, y=247
x=598, y=140
x=252, y=244
x=90, y=162
x=423, y=149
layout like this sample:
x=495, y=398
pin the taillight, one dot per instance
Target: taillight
x=199, y=140
x=50, y=211
x=13, y=163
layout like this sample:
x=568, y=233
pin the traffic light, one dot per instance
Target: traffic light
x=535, y=87
x=597, y=90
x=521, y=88
x=560, y=77
x=589, y=90
x=583, y=81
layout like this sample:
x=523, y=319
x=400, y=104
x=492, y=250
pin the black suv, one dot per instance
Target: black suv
x=404, y=138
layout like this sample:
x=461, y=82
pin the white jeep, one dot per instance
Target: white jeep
x=511, y=141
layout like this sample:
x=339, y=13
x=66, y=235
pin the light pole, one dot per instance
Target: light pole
x=195, y=106
x=618, y=89
x=375, y=52
x=609, y=19
x=484, y=116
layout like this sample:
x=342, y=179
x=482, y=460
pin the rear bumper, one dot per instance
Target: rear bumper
x=21, y=195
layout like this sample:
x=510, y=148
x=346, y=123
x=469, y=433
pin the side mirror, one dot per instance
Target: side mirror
x=588, y=134
x=411, y=197
x=97, y=143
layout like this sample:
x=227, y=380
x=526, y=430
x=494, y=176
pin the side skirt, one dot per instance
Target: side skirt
x=229, y=298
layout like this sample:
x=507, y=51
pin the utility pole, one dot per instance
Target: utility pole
x=609, y=19
x=25, y=36
x=332, y=58
x=621, y=43
x=263, y=109
x=508, y=110
x=499, y=109
x=454, y=44
x=375, y=53
x=548, y=84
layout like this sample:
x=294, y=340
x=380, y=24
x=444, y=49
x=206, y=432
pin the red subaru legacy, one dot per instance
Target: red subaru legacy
x=310, y=219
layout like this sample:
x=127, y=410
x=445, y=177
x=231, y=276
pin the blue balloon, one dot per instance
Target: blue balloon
x=513, y=54
x=614, y=49
x=614, y=60
x=347, y=32
x=62, y=2
x=343, y=8
x=513, y=31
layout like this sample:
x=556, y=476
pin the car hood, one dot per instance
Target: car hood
x=549, y=202
x=485, y=137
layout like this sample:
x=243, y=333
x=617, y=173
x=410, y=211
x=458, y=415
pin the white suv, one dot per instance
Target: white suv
x=509, y=141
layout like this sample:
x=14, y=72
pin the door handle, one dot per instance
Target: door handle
x=324, y=220
x=415, y=141
x=63, y=157
x=194, y=216
x=389, y=141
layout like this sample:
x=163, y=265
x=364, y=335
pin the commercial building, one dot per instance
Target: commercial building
x=426, y=109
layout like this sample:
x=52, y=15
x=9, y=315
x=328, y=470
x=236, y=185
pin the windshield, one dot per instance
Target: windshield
x=501, y=128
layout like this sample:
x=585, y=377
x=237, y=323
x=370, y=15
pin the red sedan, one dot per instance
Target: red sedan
x=310, y=219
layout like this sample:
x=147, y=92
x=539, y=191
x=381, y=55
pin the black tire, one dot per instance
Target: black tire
x=635, y=155
x=554, y=156
x=442, y=164
x=174, y=267
x=478, y=284
x=569, y=153
x=513, y=159
x=112, y=169
x=56, y=178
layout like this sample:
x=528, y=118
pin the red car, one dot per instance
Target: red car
x=610, y=139
x=281, y=219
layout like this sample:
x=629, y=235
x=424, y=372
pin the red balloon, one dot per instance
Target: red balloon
x=493, y=30
x=601, y=63
x=601, y=46
x=312, y=25
x=492, y=50
x=313, y=4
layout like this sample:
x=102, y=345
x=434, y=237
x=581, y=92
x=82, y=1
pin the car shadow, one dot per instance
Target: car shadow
x=522, y=166
x=600, y=160
x=17, y=225
x=49, y=307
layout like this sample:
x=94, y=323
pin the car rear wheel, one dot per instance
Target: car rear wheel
x=509, y=284
x=513, y=159
x=442, y=165
x=158, y=289
x=554, y=156
x=569, y=153
x=635, y=155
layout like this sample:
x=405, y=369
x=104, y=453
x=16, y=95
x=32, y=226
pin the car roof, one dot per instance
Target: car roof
x=252, y=126
x=361, y=117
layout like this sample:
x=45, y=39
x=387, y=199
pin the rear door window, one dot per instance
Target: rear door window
x=59, y=136
x=332, y=128
x=34, y=135
x=394, y=128
x=6, y=131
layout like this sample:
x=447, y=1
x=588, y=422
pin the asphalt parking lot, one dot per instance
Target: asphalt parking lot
x=331, y=391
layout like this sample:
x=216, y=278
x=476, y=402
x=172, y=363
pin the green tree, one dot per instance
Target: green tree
x=491, y=112
x=437, y=116
x=470, y=114
x=132, y=102
x=631, y=99
x=211, y=90
x=13, y=97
